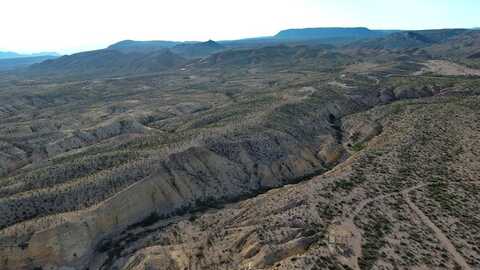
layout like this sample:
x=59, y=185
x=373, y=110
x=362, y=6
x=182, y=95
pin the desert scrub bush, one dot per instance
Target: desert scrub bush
x=344, y=184
x=375, y=230
x=358, y=147
x=69, y=170
x=71, y=196
x=439, y=192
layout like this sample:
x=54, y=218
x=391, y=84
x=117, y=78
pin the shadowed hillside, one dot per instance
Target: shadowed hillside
x=413, y=39
x=108, y=63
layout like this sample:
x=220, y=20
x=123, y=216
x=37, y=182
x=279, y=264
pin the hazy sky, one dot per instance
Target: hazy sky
x=67, y=26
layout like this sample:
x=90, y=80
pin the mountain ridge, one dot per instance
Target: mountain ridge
x=125, y=57
x=331, y=32
x=9, y=64
x=195, y=50
x=11, y=55
x=411, y=39
x=107, y=62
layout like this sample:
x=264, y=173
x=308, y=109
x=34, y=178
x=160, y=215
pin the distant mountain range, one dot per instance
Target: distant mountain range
x=133, y=57
x=12, y=60
x=133, y=46
x=331, y=33
x=108, y=62
x=190, y=49
x=411, y=39
x=8, y=64
x=196, y=50
x=10, y=55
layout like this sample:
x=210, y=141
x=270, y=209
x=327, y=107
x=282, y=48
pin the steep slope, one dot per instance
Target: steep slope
x=374, y=211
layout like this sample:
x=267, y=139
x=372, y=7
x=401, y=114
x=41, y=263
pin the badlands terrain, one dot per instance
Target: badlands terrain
x=281, y=154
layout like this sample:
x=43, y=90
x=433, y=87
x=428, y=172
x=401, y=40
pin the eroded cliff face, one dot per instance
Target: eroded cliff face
x=189, y=180
x=223, y=169
x=362, y=214
x=184, y=181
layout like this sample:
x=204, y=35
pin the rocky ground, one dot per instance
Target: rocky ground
x=379, y=209
x=447, y=68
x=336, y=162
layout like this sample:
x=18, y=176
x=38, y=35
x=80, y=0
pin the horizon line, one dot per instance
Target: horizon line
x=100, y=47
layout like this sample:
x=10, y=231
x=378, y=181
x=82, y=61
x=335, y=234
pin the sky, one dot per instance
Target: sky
x=68, y=26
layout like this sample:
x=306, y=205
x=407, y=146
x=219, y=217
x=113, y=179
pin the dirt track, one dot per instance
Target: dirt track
x=439, y=235
x=349, y=225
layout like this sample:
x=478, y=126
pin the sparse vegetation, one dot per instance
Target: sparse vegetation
x=177, y=164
